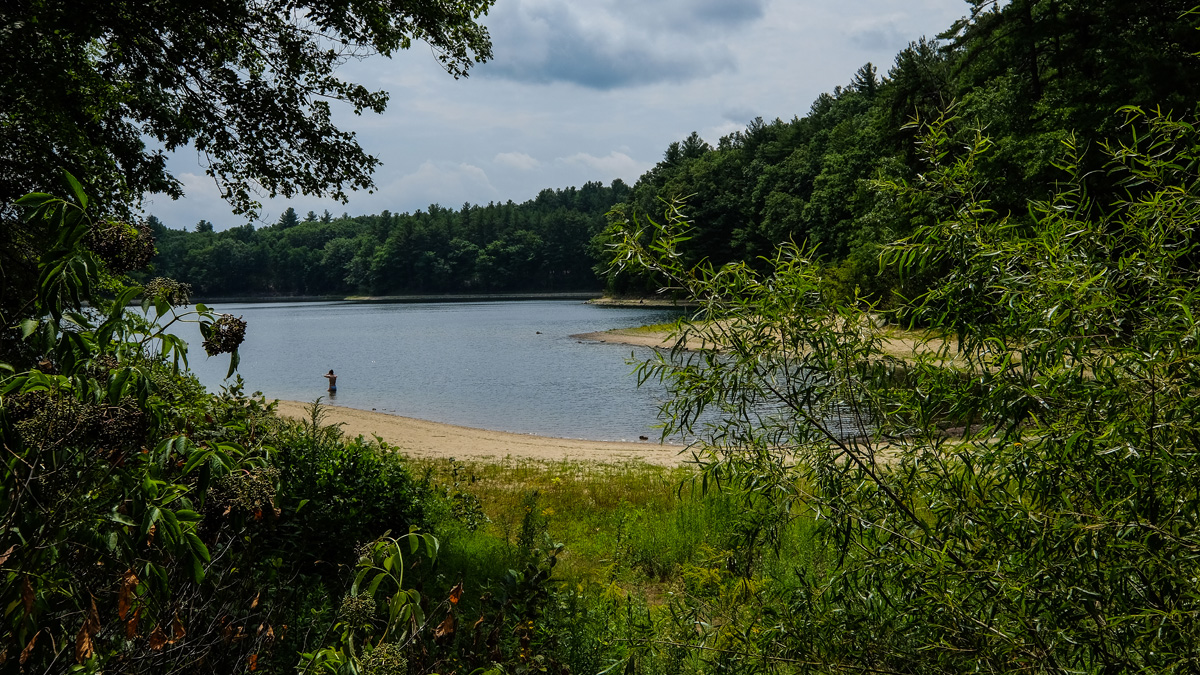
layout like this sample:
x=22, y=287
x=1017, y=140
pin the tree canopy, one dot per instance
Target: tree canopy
x=104, y=90
x=1031, y=72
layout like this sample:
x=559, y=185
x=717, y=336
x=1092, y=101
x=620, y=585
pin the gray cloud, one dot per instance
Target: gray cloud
x=739, y=115
x=719, y=17
x=611, y=44
x=880, y=33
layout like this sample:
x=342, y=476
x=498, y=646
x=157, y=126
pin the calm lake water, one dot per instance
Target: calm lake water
x=505, y=366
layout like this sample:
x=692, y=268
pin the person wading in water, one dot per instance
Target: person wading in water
x=332, y=381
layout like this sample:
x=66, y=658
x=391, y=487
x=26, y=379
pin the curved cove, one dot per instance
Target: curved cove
x=505, y=366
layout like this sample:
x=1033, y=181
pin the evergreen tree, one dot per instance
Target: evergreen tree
x=288, y=219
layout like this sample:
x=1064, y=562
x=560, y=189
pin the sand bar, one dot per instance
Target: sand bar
x=422, y=439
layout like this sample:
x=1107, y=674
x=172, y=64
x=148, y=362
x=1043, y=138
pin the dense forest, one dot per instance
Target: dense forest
x=1033, y=74
x=540, y=245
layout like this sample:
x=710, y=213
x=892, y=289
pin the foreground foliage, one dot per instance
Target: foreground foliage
x=147, y=525
x=248, y=84
x=1021, y=498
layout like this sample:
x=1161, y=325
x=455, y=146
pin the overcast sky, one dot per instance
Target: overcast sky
x=589, y=90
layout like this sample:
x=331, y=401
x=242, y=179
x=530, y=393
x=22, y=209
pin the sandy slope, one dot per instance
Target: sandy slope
x=419, y=438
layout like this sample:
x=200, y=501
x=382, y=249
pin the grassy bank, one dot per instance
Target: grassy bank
x=647, y=555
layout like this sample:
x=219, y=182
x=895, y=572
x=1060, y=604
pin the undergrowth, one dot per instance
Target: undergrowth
x=642, y=557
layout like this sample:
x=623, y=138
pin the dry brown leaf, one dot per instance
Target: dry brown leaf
x=125, y=597
x=27, y=595
x=83, y=644
x=253, y=661
x=177, y=631
x=93, y=619
x=456, y=593
x=158, y=639
x=151, y=533
x=270, y=634
x=254, y=603
x=131, y=625
x=4, y=559
x=29, y=648
x=446, y=629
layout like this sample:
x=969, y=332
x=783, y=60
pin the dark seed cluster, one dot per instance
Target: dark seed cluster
x=245, y=491
x=357, y=610
x=385, y=659
x=44, y=420
x=175, y=292
x=224, y=335
x=102, y=365
x=122, y=247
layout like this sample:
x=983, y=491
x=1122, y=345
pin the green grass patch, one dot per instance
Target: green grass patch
x=641, y=527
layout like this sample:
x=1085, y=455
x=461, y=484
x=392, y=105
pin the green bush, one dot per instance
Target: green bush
x=1055, y=528
x=345, y=491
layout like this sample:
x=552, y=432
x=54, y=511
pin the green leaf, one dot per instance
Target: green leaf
x=375, y=583
x=187, y=516
x=122, y=519
x=198, y=547
x=151, y=518
x=34, y=199
x=197, y=570
x=234, y=360
x=80, y=195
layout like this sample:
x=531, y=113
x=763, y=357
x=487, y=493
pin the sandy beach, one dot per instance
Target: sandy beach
x=422, y=439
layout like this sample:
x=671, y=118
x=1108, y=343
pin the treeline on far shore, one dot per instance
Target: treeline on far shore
x=1041, y=83
x=539, y=245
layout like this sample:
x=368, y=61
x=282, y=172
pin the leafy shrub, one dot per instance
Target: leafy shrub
x=345, y=492
x=1055, y=529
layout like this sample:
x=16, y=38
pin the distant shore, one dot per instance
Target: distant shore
x=656, y=302
x=591, y=297
x=433, y=440
x=449, y=297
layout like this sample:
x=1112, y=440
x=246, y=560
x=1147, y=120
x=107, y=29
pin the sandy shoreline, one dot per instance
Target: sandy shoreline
x=422, y=439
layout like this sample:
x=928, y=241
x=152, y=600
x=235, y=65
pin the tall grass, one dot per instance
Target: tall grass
x=636, y=525
x=648, y=558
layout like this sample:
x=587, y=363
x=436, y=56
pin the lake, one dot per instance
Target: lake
x=504, y=366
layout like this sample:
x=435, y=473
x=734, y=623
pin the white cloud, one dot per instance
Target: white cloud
x=723, y=130
x=615, y=164
x=516, y=160
x=441, y=183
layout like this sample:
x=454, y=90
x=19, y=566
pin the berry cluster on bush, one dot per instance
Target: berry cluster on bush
x=123, y=247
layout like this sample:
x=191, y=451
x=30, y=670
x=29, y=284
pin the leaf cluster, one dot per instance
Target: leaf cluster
x=248, y=84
